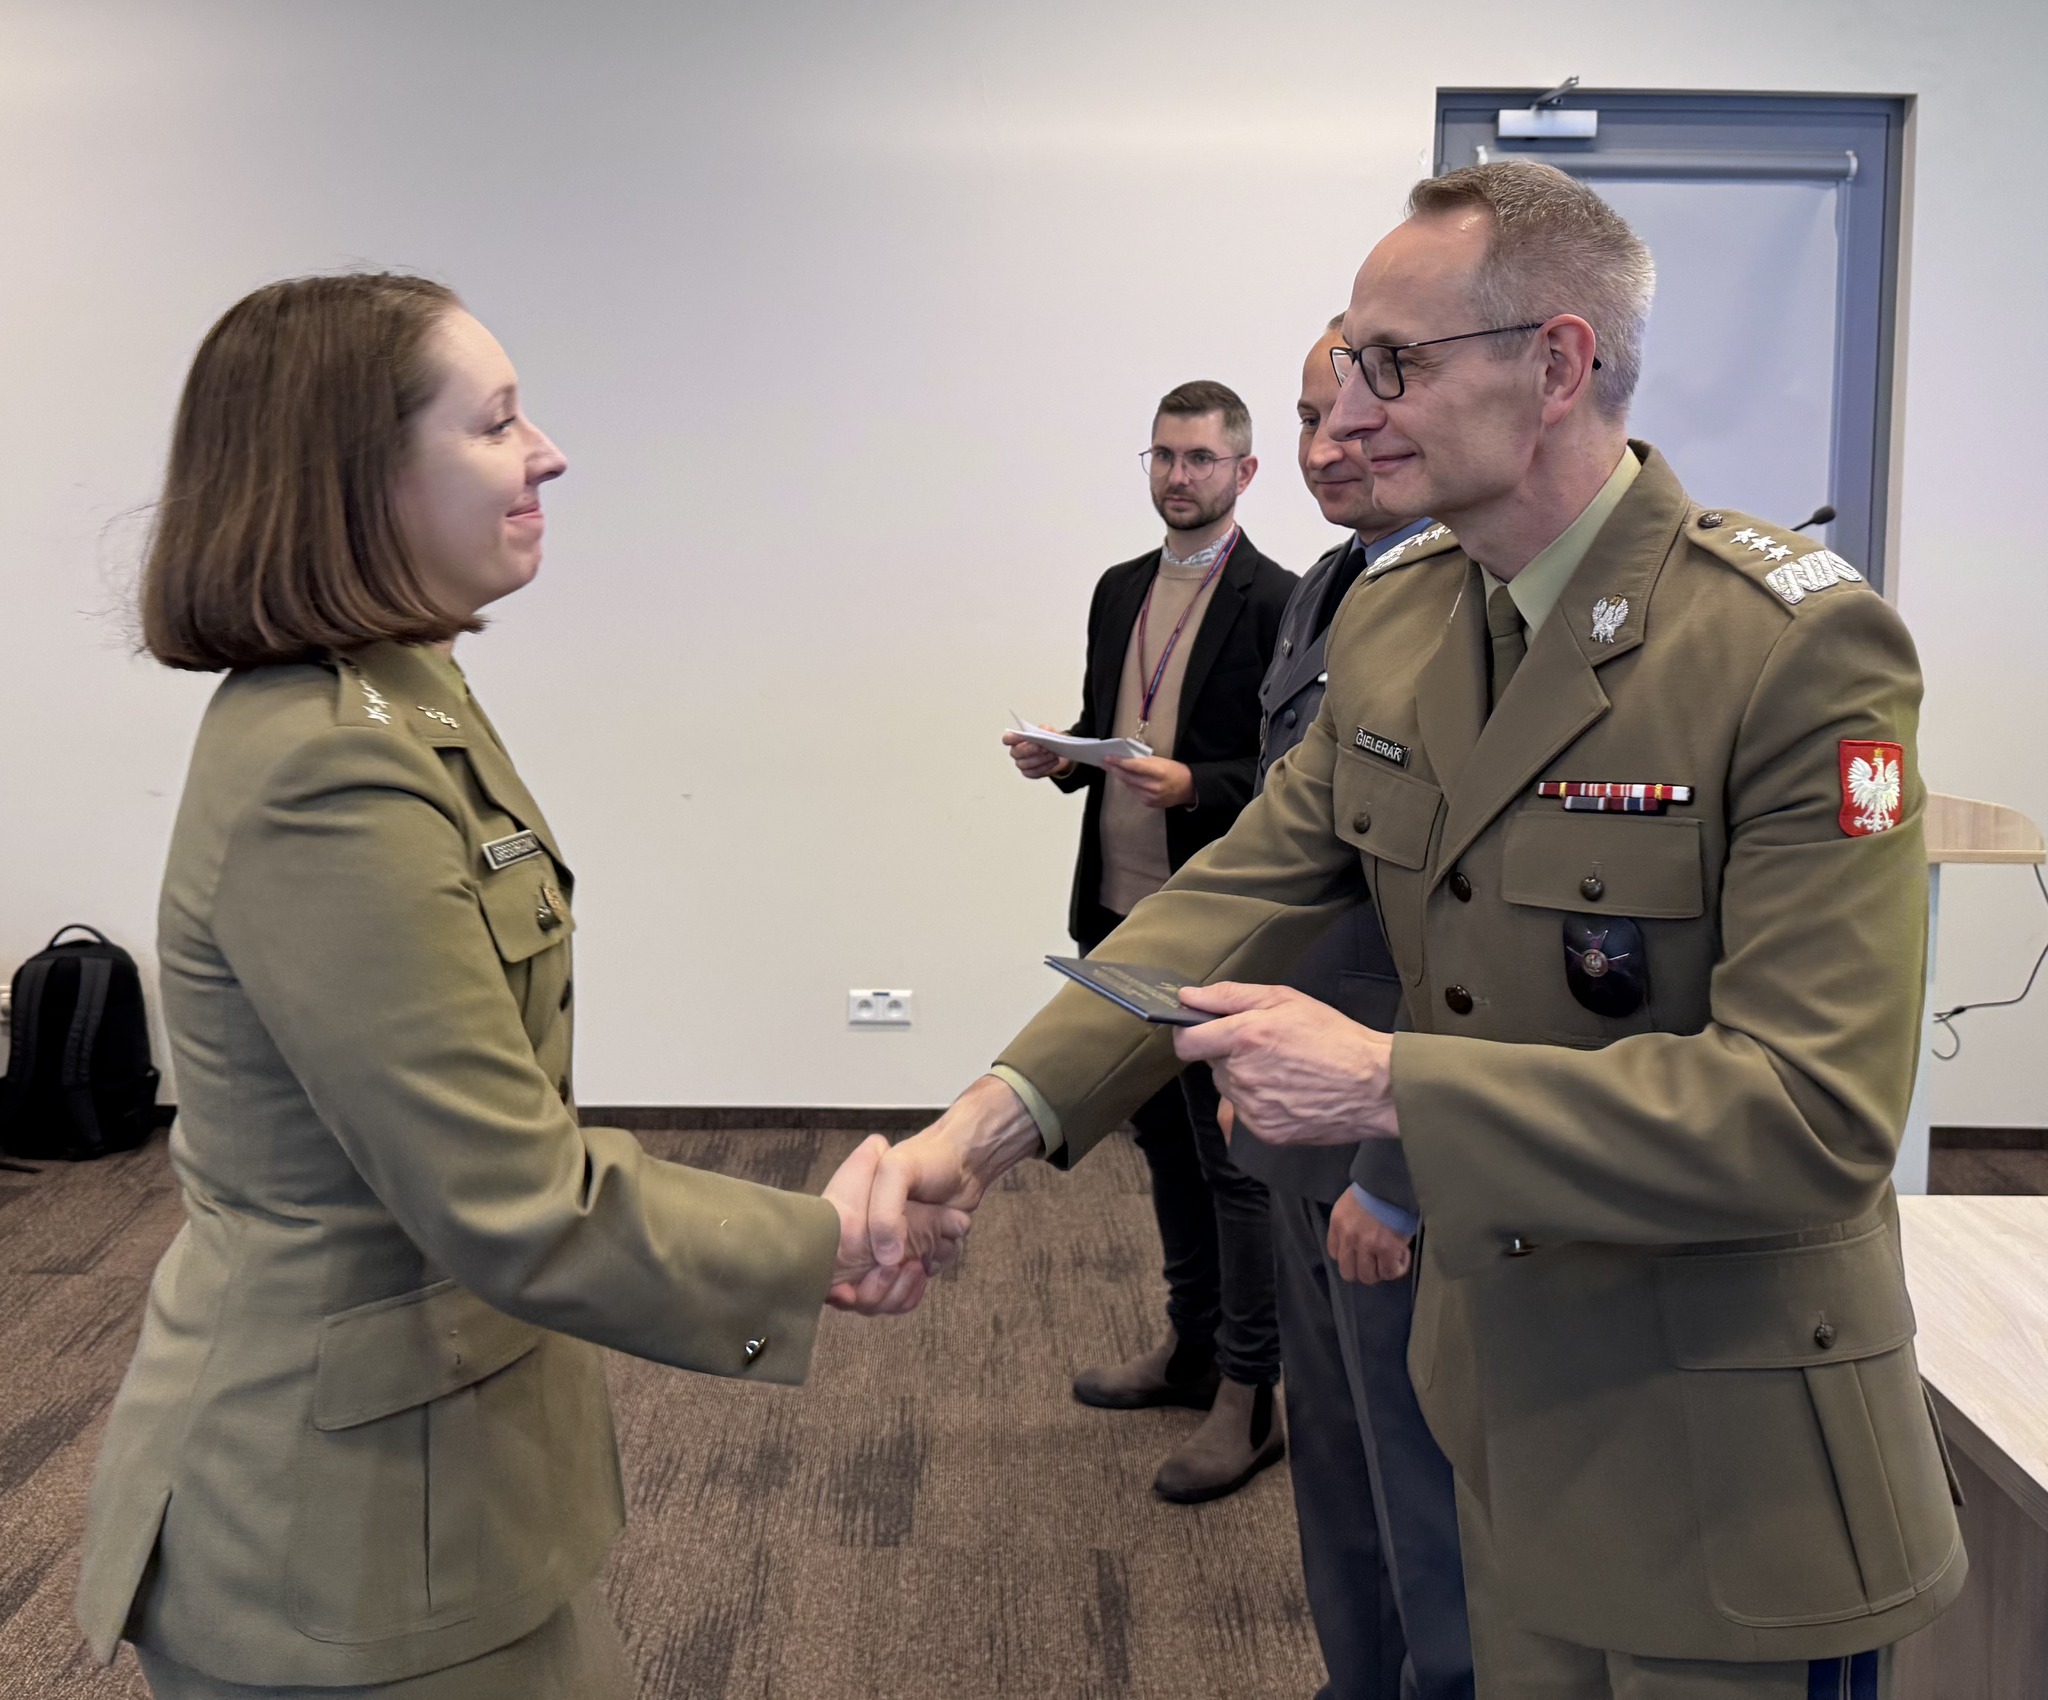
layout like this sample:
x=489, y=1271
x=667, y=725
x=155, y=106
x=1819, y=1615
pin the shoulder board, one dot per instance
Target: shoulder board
x=390, y=686
x=1791, y=566
x=358, y=701
x=1437, y=540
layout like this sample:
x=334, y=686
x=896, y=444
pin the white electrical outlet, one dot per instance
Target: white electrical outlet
x=875, y=1008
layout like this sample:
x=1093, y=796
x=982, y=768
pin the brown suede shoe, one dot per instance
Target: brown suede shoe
x=1169, y=1374
x=1239, y=1438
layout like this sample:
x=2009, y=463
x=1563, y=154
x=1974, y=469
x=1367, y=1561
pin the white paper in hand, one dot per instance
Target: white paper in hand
x=1090, y=752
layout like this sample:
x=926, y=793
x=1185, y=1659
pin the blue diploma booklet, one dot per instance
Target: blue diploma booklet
x=1148, y=993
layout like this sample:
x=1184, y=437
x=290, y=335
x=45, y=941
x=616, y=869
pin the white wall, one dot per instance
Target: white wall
x=850, y=318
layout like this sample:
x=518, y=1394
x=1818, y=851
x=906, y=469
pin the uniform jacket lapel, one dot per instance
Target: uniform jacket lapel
x=502, y=784
x=1450, y=692
x=1556, y=693
x=1296, y=673
x=422, y=696
x=1301, y=653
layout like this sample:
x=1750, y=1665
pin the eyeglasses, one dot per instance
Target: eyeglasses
x=1199, y=464
x=1381, y=361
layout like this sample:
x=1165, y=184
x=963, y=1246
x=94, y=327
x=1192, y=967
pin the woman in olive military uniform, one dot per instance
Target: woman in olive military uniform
x=364, y=1446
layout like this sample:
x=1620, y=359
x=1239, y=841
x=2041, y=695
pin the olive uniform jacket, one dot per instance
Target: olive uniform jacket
x=1348, y=967
x=1662, y=1329
x=364, y=1435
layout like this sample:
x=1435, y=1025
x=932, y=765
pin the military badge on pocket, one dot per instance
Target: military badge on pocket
x=1605, y=963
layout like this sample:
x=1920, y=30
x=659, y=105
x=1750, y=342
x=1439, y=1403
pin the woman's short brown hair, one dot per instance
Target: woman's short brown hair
x=276, y=539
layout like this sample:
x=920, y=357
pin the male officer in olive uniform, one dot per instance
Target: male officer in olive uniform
x=1372, y=1490
x=1631, y=783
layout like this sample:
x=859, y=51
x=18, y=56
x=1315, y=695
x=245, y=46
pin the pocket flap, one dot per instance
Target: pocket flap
x=1648, y=864
x=389, y=1356
x=1383, y=811
x=1780, y=1309
x=520, y=903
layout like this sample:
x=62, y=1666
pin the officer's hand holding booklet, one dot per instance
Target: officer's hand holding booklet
x=1089, y=752
x=1151, y=994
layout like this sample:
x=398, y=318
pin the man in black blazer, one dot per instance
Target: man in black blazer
x=1179, y=639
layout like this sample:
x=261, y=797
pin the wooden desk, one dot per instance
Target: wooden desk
x=1978, y=1271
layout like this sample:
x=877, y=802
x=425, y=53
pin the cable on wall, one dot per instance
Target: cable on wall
x=1947, y=1017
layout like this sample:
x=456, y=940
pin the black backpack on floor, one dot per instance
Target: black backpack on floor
x=79, y=1079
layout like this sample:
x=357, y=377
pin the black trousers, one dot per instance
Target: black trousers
x=1215, y=1221
x=1373, y=1494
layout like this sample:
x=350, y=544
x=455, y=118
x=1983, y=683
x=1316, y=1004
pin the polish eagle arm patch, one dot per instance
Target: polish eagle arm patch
x=1873, y=786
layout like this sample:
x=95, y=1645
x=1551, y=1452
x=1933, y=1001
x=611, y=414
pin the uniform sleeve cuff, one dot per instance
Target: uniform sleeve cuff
x=1042, y=1113
x=1403, y=1222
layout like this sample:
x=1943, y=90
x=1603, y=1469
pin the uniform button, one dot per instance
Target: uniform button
x=1459, y=999
x=1824, y=1335
x=1362, y=821
x=1709, y=521
x=1288, y=718
x=1518, y=1247
x=1461, y=887
x=1592, y=888
x=754, y=1348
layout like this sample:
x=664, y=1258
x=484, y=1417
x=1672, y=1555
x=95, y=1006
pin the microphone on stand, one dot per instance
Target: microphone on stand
x=1820, y=516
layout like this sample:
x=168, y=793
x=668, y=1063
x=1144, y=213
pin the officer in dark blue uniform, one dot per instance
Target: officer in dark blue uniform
x=1372, y=1493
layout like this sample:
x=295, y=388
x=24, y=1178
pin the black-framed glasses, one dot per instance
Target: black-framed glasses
x=1381, y=361
x=1199, y=464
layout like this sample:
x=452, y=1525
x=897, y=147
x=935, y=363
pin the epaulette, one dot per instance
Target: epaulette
x=391, y=686
x=1436, y=540
x=1791, y=566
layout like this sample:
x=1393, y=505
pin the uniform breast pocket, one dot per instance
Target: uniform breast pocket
x=393, y=1473
x=1390, y=818
x=1610, y=881
x=1818, y=1476
x=527, y=910
x=1643, y=866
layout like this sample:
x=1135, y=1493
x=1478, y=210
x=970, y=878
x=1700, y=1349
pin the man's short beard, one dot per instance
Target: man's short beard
x=1208, y=509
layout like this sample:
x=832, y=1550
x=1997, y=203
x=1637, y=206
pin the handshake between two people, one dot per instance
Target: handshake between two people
x=1295, y=1070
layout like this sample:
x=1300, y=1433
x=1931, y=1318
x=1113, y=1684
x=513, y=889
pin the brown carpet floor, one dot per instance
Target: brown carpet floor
x=1989, y=1169
x=931, y=1513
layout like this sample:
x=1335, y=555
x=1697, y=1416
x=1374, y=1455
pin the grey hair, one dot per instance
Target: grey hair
x=1555, y=247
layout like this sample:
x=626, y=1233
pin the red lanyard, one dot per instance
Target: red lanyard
x=1159, y=672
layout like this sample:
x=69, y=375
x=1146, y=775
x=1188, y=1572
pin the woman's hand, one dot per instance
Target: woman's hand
x=932, y=1240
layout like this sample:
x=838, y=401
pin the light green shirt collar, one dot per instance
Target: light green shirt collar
x=1537, y=586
